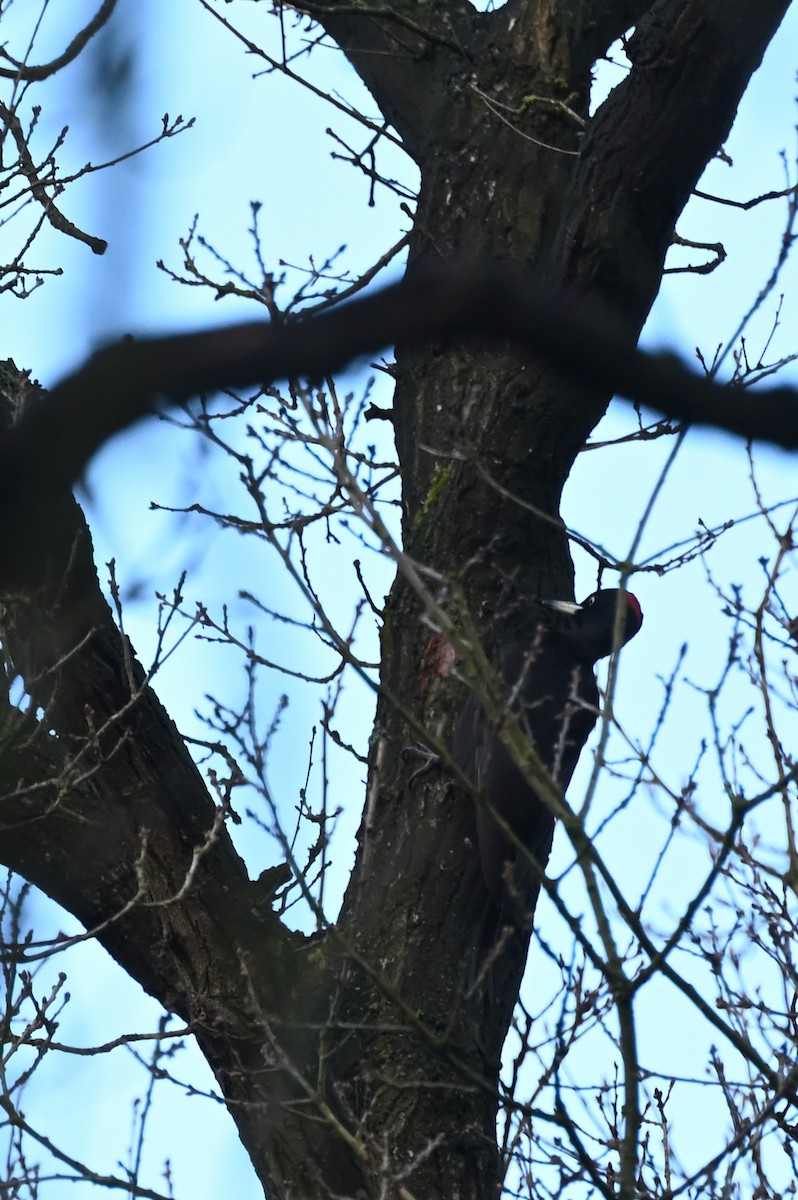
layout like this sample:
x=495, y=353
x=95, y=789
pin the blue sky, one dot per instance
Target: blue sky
x=265, y=140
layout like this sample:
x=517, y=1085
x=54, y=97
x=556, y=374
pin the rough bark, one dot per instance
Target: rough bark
x=600, y=222
x=409, y=1062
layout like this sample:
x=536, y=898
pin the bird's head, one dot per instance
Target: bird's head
x=592, y=629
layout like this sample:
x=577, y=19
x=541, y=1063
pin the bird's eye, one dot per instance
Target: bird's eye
x=590, y=600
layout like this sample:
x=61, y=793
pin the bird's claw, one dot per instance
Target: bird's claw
x=428, y=757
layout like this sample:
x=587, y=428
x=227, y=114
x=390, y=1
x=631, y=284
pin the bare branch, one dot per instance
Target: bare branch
x=20, y=71
x=53, y=440
x=39, y=189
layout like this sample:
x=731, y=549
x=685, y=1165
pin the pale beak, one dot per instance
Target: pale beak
x=563, y=606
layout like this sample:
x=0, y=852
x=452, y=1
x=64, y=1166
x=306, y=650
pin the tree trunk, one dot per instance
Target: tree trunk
x=356, y=1063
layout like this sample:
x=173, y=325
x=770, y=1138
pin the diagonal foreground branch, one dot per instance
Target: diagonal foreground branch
x=54, y=439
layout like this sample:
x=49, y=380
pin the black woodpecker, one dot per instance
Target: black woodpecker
x=552, y=691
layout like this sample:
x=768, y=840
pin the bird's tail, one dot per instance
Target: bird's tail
x=499, y=925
